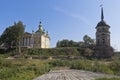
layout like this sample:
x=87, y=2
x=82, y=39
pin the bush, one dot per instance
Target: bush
x=81, y=64
x=53, y=52
x=87, y=52
x=99, y=67
x=115, y=67
x=91, y=66
x=2, y=51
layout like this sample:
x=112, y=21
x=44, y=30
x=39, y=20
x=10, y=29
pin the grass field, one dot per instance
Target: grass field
x=27, y=69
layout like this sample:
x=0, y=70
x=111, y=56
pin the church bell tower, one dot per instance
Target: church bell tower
x=103, y=48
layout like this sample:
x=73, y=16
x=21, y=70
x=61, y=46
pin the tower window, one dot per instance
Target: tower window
x=103, y=41
x=103, y=29
x=103, y=34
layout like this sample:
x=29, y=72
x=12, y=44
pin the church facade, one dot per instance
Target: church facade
x=38, y=39
x=103, y=47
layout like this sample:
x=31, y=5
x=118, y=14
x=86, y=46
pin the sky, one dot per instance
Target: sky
x=63, y=19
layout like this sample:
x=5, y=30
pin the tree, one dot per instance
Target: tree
x=63, y=43
x=88, y=41
x=58, y=44
x=8, y=37
x=72, y=43
x=81, y=44
x=12, y=35
x=19, y=27
x=67, y=43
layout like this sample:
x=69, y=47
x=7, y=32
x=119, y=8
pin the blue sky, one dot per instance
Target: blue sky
x=63, y=19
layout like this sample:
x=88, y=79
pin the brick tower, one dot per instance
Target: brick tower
x=103, y=48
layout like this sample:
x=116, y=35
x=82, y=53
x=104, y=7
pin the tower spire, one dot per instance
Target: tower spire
x=102, y=15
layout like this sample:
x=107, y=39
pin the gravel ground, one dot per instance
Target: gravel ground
x=72, y=75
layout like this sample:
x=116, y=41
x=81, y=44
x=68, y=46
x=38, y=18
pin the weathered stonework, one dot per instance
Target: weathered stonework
x=103, y=48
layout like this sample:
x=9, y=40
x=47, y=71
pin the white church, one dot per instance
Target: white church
x=38, y=39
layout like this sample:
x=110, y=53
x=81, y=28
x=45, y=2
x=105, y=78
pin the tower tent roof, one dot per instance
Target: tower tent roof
x=102, y=22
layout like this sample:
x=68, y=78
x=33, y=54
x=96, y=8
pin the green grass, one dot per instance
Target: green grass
x=26, y=69
x=108, y=79
x=22, y=69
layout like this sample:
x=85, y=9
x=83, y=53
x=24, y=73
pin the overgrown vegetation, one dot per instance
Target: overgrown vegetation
x=66, y=51
x=21, y=69
x=108, y=79
x=53, y=52
x=27, y=69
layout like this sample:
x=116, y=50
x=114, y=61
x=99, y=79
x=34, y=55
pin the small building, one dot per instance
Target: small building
x=38, y=39
x=103, y=47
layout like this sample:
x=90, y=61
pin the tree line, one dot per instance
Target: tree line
x=87, y=42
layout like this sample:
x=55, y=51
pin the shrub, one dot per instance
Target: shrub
x=87, y=52
x=59, y=63
x=81, y=64
x=22, y=69
x=2, y=51
x=53, y=51
x=99, y=67
x=115, y=67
